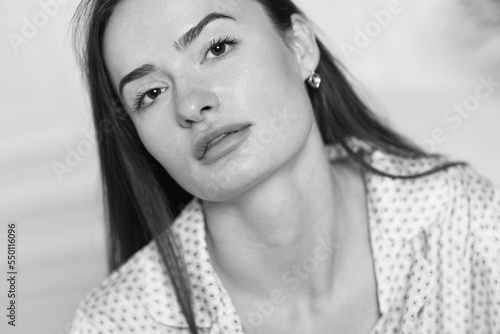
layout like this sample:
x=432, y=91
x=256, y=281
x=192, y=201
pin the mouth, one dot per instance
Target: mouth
x=219, y=137
x=216, y=139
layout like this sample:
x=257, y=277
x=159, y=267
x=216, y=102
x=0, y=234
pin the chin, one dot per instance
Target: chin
x=232, y=186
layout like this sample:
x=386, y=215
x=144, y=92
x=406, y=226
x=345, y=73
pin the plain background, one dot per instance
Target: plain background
x=424, y=58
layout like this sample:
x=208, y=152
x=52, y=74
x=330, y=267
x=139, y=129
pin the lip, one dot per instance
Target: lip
x=202, y=140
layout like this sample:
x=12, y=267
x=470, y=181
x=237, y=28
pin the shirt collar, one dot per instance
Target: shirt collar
x=190, y=230
x=426, y=196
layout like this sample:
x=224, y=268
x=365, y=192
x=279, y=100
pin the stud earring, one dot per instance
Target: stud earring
x=314, y=80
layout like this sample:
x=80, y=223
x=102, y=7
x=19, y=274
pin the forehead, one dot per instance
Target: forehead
x=140, y=30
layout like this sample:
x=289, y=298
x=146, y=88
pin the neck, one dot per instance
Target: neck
x=264, y=238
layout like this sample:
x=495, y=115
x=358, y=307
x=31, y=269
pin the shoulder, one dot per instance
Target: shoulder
x=117, y=304
x=475, y=210
x=471, y=198
x=456, y=196
x=458, y=180
x=479, y=193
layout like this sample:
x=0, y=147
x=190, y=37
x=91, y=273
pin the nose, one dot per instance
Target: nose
x=193, y=102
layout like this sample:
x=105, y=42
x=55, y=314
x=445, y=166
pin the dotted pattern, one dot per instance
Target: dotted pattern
x=436, y=249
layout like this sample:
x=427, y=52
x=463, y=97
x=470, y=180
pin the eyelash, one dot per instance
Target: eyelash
x=137, y=104
x=221, y=40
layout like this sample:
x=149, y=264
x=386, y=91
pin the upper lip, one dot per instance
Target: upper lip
x=201, y=140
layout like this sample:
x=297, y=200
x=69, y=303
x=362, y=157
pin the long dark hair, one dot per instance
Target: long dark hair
x=142, y=200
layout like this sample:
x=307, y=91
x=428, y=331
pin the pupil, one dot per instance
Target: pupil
x=218, y=49
x=153, y=95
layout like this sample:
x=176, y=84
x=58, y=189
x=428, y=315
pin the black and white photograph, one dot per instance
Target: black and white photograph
x=250, y=167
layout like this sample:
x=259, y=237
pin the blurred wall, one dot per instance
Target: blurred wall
x=60, y=244
x=423, y=65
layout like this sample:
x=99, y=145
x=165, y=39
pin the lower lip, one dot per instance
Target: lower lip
x=224, y=146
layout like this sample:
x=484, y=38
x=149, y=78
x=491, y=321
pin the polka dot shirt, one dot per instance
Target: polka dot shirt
x=435, y=243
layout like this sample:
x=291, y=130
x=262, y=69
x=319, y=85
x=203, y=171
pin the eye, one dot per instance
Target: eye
x=151, y=94
x=218, y=47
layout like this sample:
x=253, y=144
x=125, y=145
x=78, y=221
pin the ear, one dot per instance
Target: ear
x=303, y=41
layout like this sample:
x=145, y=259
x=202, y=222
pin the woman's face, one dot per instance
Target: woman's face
x=190, y=90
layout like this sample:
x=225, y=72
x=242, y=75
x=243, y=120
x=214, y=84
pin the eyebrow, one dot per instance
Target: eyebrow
x=180, y=45
x=138, y=73
x=186, y=39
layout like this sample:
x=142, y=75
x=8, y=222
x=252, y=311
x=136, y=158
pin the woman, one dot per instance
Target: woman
x=249, y=190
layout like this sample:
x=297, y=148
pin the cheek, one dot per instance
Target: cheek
x=270, y=77
x=165, y=143
x=274, y=95
x=268, y=92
